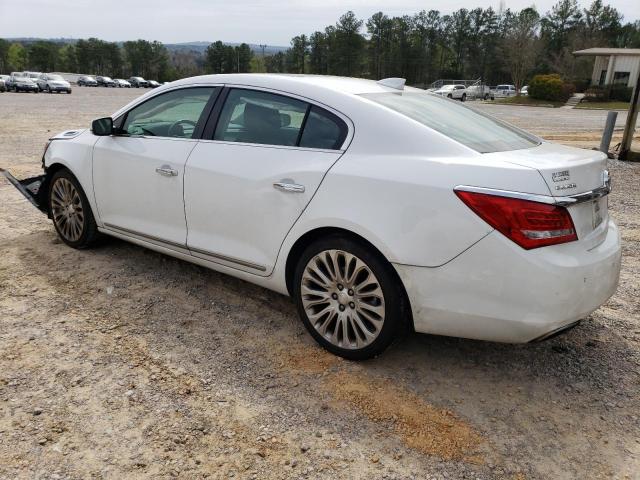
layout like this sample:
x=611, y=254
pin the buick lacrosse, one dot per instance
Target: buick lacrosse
x=376, y=206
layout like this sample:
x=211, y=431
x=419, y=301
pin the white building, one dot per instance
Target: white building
x=614, y=66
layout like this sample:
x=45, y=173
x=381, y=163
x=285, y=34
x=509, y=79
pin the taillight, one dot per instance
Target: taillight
x=527, y=223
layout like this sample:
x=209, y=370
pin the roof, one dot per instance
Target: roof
x=609, y=51
x=343, y=85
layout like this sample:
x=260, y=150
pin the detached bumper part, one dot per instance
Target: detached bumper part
x=30, y=188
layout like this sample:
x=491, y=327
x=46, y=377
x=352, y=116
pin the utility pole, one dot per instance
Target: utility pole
x=630, y=126
x=263, y=47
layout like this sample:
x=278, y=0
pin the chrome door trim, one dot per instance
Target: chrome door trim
x=289, y=187
x=162, y=242
x=217, y=257
x=182, y=248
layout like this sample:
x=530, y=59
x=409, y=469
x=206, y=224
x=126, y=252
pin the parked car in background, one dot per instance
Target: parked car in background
x=33, y=76
x=376, y=207
x=482, y=92
x=153, y=84
x=505, y=90
x=138, y=82
x=9, y=81
x=120, y=83
x=20, y=82
x=3, y=82
x=456, y=92
x=524, y=90
x=52, y=82
x=87, y=81
x=105, y=81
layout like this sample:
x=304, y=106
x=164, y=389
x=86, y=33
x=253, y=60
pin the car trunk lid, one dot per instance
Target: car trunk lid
x=577, y=179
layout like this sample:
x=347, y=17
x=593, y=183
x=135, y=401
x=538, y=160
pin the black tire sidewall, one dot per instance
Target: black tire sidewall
x=89, y=225
x=392, y=290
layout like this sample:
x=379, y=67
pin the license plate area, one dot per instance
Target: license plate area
x=598, y=211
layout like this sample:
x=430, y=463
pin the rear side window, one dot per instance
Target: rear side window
x=323, y=130
x=250, y=116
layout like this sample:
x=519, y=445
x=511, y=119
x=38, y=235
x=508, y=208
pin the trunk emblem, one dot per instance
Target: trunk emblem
x=566, y=186
x=562, y=176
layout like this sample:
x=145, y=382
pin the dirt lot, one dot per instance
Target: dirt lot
x=118, y=362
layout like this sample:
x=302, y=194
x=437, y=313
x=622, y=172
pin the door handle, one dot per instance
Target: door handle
x=288, y=186
x=167, y=171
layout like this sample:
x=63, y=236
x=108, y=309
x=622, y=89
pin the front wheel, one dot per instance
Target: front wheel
x=348, y=297
x=464, y=97
x=70, y=211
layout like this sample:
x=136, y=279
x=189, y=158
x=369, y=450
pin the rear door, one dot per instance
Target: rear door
x=249, y=181
x=138, y=174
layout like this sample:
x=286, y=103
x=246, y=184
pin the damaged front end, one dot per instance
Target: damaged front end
x=32, y=188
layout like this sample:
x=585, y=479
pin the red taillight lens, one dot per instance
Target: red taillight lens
x=529, y=224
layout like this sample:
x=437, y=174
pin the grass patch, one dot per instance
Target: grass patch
x=603, y=105
x=526, y=100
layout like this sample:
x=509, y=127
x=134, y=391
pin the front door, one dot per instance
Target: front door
x=247, y=185
x=138, y=173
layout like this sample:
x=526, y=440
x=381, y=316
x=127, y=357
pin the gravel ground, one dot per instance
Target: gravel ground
x=118, y=362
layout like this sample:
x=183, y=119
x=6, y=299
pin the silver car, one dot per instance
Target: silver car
x=121, y=83
x=20, y=82
x=51, y=82
x=3, y=83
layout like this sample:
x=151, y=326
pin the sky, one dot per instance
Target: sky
x=271, y=22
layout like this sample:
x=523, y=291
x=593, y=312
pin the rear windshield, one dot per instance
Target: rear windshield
x=469, y=127
x=55, y=77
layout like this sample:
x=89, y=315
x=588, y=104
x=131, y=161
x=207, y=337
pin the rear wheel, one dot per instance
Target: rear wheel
x=70, y=211
x=348, y=297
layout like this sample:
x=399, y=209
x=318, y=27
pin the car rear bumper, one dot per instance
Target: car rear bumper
x=497, y=291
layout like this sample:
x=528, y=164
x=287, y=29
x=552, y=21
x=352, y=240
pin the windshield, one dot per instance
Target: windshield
x=55, y=77
x=469, y=127
x=107, y=79
x=90, y=79
x=447, y=87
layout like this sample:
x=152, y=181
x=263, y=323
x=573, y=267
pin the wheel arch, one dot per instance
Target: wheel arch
x=312, y=235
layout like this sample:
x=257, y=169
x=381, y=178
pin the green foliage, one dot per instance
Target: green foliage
x=550, y=87
x=596, y=94
x=621, y=93
x=16, y=57
x=222, y=58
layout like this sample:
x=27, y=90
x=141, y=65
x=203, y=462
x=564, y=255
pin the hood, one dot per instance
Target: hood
x=60, y=83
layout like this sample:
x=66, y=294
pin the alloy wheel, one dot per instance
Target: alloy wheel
x=342, y=299
x=66, y=208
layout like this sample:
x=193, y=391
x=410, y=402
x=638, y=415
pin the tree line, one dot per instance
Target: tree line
x=503, y=46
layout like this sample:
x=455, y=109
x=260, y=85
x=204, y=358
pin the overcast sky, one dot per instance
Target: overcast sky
x=272, y=22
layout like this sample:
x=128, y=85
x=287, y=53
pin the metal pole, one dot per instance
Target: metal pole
x=608, y=132
x=632, y=117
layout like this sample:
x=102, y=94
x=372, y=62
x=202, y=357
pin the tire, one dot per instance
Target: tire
x=49, y=89
x=464, y=97
x=70, y=211
x=355, y=318
x=486, y=97
x=449, y=96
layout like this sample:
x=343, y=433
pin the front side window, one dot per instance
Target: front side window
x=469, y=127
x=250, y=116
x=172, y=114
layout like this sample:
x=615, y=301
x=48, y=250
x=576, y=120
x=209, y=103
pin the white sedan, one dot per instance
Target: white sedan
x=455, y=92
x=376, y=207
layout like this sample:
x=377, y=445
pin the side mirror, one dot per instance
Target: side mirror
x=102, y=126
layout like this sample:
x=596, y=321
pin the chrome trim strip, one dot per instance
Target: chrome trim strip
x=206, y=255
x=508, y=193
x=126, y=231
x=218, y=256
x=563, y=201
